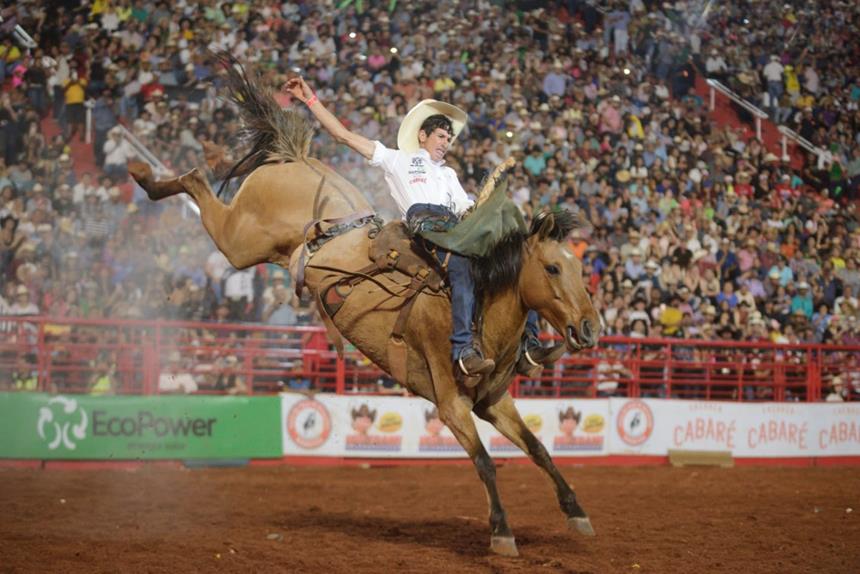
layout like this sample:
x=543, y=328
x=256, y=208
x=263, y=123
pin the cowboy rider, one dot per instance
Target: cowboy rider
x=421, y=184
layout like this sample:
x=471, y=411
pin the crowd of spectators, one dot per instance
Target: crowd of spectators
x=691, y=231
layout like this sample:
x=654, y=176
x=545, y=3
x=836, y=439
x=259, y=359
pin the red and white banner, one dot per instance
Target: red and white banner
x=409, y=427
x=654, y=426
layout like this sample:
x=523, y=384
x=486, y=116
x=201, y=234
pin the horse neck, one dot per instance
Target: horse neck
x=504, y=319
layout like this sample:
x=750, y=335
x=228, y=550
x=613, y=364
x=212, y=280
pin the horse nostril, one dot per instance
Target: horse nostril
x=585, y=330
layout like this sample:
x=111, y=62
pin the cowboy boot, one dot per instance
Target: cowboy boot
x=472, y=366
x=535, y=357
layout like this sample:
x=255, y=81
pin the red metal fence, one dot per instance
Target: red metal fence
x=151, y=357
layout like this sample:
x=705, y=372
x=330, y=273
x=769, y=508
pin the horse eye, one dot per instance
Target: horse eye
x=552, y=269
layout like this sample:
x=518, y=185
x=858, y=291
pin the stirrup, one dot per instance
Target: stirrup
x=531, y=366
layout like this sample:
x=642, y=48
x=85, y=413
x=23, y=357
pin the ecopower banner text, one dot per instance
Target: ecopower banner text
x=41, y=426
x=409, y=427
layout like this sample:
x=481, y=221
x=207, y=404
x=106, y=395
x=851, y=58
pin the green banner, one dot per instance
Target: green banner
x=41, y=426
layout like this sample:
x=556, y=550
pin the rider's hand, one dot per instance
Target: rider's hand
x=298, y=88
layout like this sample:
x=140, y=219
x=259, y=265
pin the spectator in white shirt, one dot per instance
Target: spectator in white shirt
x=773, y=74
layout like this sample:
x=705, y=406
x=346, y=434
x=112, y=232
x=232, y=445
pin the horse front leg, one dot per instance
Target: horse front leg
x=504, y=416
x=455, y=412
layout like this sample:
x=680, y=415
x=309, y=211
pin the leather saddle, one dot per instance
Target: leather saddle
x=391, y=250
x=394, y=250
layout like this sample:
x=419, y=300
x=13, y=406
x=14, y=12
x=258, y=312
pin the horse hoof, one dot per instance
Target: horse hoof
x=581, y=525
x=504, y=545
x=141, y=172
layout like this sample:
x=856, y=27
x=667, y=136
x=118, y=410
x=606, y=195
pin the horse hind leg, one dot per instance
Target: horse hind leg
x=504, y=416
x=455, y=412
x=155, y=190
x=236, y=232
x=226, y=228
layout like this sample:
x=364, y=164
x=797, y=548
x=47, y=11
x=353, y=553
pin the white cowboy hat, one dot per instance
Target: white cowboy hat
x=407, y=136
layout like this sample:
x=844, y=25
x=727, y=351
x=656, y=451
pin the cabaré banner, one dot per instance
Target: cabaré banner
x=41, y=426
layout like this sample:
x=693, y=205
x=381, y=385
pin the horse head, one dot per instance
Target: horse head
x=551, y=282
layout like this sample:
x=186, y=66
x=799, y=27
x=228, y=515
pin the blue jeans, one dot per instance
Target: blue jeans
x=462, y=301
x=462, y=289
x=532, y=330
x=426, y=216
x=774, y=90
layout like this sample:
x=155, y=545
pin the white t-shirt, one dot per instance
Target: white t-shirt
x=773, y=72
x=415, y=178
x=173, y=382
x=240, y=284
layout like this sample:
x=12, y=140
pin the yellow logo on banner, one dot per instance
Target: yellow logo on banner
x=390, y=422
x=594, y=423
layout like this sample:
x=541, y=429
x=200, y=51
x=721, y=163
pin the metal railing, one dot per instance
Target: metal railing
x=717, y=86
x=790, y=134
x=153, y=357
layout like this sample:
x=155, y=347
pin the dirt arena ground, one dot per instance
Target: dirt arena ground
x=426, y=519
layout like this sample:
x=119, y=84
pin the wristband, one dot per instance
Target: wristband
x=312, y=100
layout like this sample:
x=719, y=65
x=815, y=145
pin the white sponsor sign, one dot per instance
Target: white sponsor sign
x=401, y=427
x=654, y=426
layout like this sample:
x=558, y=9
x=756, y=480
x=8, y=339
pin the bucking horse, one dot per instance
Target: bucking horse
x=295, y=211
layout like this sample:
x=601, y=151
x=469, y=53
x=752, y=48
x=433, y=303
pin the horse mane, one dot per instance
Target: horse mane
x=271, y=133
x=563, y=222
x=500, y=270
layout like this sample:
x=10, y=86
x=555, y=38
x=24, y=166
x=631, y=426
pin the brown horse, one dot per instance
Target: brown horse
x=265, y=222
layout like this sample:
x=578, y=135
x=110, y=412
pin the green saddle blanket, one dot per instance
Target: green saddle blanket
x=483, y=228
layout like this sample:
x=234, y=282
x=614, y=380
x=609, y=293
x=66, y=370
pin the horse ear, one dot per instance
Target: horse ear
x=546, y=227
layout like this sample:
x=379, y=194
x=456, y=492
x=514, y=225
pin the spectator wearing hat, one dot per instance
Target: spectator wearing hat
x=838, y=392
x=117, y=154
x=727, y=260
x=555, y=81
x=176, y=378
x=104, y=116
x=639, y=312
x=802, y=301
x=783, y=271
x=651, y=278
x=634, y=269
x=280, y=310
x=23, y=305
x=611, y=373
x=728, y=295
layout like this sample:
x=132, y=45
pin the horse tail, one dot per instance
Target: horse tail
x=272, y=134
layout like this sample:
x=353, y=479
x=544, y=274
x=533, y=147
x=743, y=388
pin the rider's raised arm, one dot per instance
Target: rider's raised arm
x=301, y=91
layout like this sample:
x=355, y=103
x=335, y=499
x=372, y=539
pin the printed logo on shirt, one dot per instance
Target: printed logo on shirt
x=417, y=167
